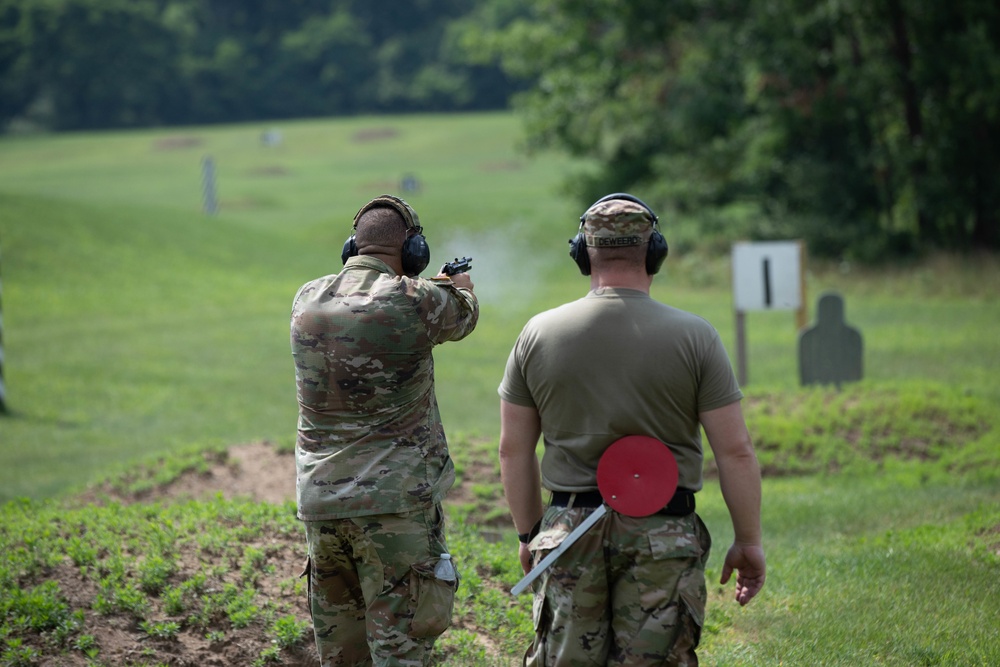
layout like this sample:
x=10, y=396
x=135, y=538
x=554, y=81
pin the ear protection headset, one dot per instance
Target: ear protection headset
x=416, y=254
x=656, y=248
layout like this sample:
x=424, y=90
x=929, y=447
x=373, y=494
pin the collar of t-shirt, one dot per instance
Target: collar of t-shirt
x=366, y=262
x=621, y=292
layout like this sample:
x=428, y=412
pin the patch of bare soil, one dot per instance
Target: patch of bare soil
x=259, y=472
x=375, y=134
x=501, y=165
x=122, y=640
x=474, y=472
x=379, y=186
x=992, y=539
x=273, y=170
x=256, y=471
x=177, y=142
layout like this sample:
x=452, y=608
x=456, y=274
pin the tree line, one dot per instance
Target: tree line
x=87, y=64
x=868, y=127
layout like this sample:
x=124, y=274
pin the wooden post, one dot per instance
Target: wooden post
x=741, y=347
x=208, y=185
x=802, y=314
x=3, y=388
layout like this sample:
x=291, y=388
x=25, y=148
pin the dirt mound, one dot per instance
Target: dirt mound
x=176, y=142
x=375, y=134
x=117, y=623
x=257, y=472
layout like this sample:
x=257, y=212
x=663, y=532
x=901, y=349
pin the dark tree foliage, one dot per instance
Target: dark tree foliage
x=869, y=128
x=69, y=64
x=87, y=63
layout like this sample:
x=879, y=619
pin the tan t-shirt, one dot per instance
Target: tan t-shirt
x=617, y=363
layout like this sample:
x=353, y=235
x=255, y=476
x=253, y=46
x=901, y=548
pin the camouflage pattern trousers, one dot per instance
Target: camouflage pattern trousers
x=372, y=591
x=631, y=591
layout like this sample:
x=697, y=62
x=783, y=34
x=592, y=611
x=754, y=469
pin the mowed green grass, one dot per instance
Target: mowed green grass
x=134, y=326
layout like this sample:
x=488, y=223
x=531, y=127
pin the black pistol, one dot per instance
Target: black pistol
x=458, y=266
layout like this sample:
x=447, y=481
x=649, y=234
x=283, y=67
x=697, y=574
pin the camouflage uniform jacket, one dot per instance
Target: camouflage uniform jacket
x=370, y=438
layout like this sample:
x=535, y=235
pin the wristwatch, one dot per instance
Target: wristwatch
x=524, y=538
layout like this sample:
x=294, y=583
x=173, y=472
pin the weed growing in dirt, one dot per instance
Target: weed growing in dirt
x=162, y=630
x=70, y=572
x=289, y=631
x=15, y=654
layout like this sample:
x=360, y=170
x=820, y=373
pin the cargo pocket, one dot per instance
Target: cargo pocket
x=432, y=600
x=541, y=619
x=686, y=540
x=692, y=615
x=676, y=538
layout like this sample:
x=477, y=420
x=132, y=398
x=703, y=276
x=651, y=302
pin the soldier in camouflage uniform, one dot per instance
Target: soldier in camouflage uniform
x=371, y=456
x=632, y=590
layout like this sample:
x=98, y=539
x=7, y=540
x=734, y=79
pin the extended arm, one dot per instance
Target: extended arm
x=739, y=477
x=449, y=308
x=520, y=428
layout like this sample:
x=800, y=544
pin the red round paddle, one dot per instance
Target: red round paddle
x=637, y=475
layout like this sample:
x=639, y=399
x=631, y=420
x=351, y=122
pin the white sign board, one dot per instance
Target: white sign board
x=767, y=276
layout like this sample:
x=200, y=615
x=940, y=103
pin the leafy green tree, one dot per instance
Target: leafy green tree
x=18, y=87
x=112, y=63
x=417, y=65
x=93, y=63
x=891, y=122
x=234, y=61
x=280, y=58
x=328, y=51
x=869, y=128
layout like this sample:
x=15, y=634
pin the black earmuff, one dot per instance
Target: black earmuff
x=416, y=254
x=656, y=249
x=578, y=251
x=350, y=249
x=656, y=252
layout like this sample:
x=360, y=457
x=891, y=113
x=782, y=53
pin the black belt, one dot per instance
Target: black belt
x=681, y=504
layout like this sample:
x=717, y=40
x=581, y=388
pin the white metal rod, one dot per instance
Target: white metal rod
x=555, y=553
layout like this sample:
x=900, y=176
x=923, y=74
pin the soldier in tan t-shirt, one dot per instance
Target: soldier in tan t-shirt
x=583, y=375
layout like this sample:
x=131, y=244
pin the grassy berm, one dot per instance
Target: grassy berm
x=194, y=559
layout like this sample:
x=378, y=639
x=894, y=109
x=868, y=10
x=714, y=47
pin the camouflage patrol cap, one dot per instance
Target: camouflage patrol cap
x=391, y=201
x=616, y=223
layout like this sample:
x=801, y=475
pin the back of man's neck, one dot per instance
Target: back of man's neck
x=622, y=279
x=391, y=260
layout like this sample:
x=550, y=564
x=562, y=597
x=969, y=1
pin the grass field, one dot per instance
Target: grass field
x=140, y=333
